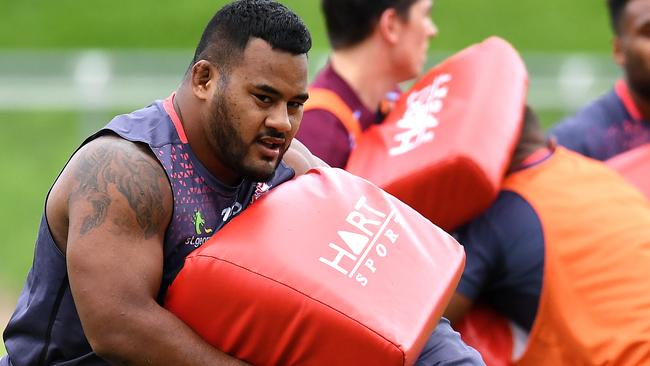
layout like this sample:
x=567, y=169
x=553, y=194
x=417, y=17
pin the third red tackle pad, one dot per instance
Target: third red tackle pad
x=447, y=143
x=326, y=269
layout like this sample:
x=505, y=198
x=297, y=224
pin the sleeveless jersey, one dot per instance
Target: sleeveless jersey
x=594, y=307
x=45, y=328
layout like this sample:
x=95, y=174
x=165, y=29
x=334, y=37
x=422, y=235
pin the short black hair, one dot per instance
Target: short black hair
x=616, y=8
x=225, y=37
x=349, y=22
x=532, y=126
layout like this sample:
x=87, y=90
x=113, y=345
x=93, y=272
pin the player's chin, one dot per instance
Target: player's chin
x=419, y=64
x=413, y=69
x=261, y=170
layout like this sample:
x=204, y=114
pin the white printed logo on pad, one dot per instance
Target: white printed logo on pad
x=360, y=250
x=419, y=118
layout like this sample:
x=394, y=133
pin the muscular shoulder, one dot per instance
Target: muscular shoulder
x=592, y=120
x=506, y=231
x=508, y=219
x=504, y=247
x=110, y=179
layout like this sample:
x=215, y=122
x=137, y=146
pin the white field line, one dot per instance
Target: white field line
x=96, y=80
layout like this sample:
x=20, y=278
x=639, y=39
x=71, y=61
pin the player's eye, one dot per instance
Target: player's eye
x=295, y=105
x=263, y=98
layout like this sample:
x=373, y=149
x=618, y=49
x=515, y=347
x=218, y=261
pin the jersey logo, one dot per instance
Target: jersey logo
x=260, y=190
x=231, y=211
x=199, y=223
x=419, y=118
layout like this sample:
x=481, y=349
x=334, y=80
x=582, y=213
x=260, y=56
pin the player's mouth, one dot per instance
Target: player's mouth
x=270, y=146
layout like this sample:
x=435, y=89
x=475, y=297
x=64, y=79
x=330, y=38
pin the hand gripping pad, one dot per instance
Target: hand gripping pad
x=326, y=269
x=634, y=165
x=446, y=145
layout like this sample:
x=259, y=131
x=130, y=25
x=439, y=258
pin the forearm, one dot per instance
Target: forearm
x=154, y=336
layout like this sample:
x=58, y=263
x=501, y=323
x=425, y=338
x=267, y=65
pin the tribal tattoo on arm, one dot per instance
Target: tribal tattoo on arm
x=135, y=175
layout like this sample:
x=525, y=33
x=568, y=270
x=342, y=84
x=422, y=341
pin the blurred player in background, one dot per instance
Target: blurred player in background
x=617, y=121
x=563, y=253
x=376, y=45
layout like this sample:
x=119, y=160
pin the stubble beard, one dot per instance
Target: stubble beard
x=230, y=147
x=638, y=77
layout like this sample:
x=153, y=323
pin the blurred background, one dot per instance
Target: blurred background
x=67, y=67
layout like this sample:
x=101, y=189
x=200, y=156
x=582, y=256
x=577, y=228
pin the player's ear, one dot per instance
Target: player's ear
x=202, y=78
x=389, y=25
x=617, y=50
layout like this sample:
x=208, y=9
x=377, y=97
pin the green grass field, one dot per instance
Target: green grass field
x=34, y=148
x=35, y=145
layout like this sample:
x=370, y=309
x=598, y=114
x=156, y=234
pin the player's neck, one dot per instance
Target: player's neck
x=525, y=149
x=364, y=69
x=642, y=104
x=188, y=110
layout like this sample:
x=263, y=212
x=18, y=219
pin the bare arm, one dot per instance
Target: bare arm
x=301, y=159
x=457, y=308
x=118, y=204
